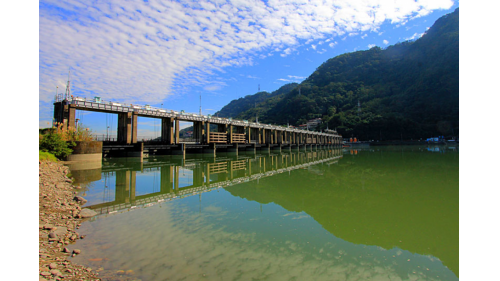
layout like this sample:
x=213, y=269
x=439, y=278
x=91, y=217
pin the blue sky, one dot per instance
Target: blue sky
x=171, y=52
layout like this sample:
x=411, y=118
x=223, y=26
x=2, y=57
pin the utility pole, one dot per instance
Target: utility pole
x=200, y=104
x=68, y=89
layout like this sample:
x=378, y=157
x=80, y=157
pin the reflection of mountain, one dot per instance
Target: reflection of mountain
x=390, y=199
x=129, y=182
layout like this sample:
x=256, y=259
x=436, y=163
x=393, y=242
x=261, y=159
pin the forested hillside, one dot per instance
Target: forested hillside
x=408, y=90
x=264, y=99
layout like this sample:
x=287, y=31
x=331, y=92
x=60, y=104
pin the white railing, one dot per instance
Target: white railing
x=181, y=114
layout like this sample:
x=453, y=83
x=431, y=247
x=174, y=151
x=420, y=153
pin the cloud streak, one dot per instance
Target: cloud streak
x=144, y=52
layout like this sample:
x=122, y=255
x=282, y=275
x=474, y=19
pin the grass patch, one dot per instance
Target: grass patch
x=46, y=156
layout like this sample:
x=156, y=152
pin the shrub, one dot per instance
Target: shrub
x=53, y=143
x=72, y=133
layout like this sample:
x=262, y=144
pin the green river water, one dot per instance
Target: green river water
x=377, y=213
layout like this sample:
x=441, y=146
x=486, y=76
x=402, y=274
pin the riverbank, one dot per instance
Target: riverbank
x=60, y=216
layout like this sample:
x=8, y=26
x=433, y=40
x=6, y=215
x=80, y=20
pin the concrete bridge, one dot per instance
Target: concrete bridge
x=207, y=175
x=209, y=133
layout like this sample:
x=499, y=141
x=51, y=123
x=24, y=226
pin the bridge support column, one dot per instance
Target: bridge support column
x=64, y=114
x=125, y=127
x=229, y=133
x=177, y=131
x=198, y=131
x=249, y=134
x=134, y=128
x=207, y=133
x=167, y=130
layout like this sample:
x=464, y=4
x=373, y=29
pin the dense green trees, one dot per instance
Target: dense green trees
x=408, y=90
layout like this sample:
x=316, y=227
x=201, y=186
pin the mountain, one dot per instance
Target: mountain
x=244, y=108
x=408, y=90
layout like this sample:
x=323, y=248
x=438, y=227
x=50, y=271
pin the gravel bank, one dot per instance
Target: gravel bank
x=60, y=215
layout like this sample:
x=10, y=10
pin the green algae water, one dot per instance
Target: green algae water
x=378, y=213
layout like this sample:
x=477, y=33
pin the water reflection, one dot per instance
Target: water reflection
x=405, y=198
x=386, y=213
x=167, y=178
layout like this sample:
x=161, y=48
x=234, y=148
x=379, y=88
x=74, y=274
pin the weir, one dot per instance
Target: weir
x=210, y=134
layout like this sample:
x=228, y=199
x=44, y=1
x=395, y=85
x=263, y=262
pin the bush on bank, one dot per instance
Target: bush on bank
x=59, y=140
x=53, y=143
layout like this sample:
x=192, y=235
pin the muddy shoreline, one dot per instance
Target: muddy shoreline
x=60, y=215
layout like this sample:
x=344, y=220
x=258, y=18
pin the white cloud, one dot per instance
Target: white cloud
x=292, y=78
x=371, y=46
x=144, y=52
x=213, y=87
x=219, y=252
x=415, y=36
x=296, y=77
x=286, y=52
x=386, y=42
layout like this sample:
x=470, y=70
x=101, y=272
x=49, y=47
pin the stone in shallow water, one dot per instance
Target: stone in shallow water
x=80, y=199
x=87, y=213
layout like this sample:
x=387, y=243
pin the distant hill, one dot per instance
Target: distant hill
x=244, y=107
x=408, y=90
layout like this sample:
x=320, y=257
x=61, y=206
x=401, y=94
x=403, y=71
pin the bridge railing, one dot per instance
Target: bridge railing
x=104, y=138
x=188, y=140
x=98, y=104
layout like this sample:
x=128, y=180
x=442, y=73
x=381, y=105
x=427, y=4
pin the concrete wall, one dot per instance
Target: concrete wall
x=86, y=151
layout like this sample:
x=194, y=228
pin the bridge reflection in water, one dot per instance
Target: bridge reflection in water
x=203, y=174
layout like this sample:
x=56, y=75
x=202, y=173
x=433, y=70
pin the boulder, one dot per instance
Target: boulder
x=80, y=199
x=87, y=213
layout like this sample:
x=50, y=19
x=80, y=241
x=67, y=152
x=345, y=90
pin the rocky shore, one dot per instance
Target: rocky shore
x=60, y=215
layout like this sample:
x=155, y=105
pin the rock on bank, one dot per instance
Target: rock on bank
x=60, y=215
